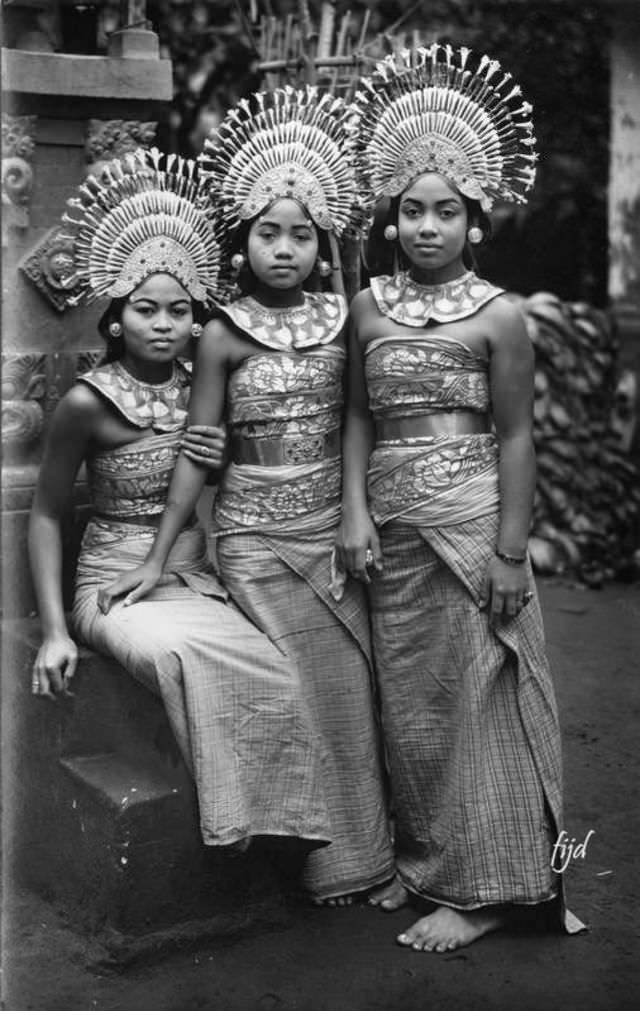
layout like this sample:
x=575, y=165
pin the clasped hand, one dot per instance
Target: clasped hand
x=54, y=667
x=205, y=445
x=358, y=547
x=505, y=590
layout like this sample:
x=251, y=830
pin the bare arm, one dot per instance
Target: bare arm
x=357, y=533
x=66, y=447
x=205, y=408
x=511, y=376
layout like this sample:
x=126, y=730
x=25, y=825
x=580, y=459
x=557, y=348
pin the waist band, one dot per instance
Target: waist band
x=145, y=520
x=434, y=425
x=280, y=452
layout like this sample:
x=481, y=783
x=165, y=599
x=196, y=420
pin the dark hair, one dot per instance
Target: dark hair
x=246, y=279
x=384, y=257
x=113, y=314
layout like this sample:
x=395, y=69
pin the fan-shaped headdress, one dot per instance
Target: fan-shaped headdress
x=146, y=214
x=428, y=111
x=284, y=143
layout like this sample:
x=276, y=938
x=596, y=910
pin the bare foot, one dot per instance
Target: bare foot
x=448, y=929
x=390, y=897
x=335, y=901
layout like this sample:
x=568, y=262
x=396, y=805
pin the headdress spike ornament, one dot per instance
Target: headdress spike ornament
x=285, y=143
x=146, y=214
x=427, y=110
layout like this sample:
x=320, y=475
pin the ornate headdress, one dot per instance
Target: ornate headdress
x=427, y=111
x=284, y=143
x=146, y=214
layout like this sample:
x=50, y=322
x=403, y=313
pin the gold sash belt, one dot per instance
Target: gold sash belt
x=285, y=451
x=439, y=425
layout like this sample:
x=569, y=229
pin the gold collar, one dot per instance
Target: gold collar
x=318, y=320
x=162, y=407
x=405, y=301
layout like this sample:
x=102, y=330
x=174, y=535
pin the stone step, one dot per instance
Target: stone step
x=102, y=815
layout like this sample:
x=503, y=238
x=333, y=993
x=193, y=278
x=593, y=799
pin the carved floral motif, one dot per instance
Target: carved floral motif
x=18, y=146
x=50, y=266
x=112, y=138
x=24, y=387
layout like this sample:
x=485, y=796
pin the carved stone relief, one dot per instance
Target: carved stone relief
x=18, y=146
x=50, y=266
x=24, y=389
x=32, y=386
x=112, y=138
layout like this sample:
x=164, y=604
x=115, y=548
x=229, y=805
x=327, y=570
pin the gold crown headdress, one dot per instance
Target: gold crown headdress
x=289, y=144
x=146, y=214
x=426, y=111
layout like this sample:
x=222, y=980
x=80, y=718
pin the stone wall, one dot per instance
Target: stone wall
x=63, y=115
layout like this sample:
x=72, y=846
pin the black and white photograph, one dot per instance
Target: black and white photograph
x=320, y=630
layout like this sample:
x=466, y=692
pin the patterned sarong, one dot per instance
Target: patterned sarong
x=233, y=700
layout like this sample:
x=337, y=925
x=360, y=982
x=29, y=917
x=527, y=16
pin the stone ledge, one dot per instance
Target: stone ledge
x=101, y=815
x=84, y=77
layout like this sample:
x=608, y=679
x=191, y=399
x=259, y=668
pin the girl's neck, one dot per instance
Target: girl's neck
x=441, y=275
x=273, y=298
x=153, y=373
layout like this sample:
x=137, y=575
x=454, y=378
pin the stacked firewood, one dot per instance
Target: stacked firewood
x=587, y=503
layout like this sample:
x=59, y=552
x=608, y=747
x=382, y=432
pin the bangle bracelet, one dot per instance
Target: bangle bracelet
x=511, y=559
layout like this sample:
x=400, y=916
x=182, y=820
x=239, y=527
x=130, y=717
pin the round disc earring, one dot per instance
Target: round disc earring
x=237, y=261
x=115, y=330
x=475, y=235
x=324, y=268
x=196, y=330
x=391, y=233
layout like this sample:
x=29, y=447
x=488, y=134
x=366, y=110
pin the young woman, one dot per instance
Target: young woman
x=232, y=698
x=438, y=483
x=274, y=362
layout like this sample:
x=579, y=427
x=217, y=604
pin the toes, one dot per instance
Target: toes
x=405, y=940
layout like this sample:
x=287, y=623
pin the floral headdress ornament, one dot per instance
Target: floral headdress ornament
x=146, y=214
x=284, y=143
x=427, y=111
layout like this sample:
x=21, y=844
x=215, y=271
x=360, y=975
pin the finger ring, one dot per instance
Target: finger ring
x=368, y=558
x=526, y=597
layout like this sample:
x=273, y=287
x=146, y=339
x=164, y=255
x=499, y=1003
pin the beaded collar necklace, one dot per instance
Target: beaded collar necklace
x=406, y=301
x=318, y=320
x=160, y=406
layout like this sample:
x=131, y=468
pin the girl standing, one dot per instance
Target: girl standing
x=233, y=700
x=438, y=483
x=272, y=365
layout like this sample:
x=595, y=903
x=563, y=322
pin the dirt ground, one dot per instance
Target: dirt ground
x=346, y=960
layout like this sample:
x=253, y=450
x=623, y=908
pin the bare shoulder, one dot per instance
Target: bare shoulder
x=507, y=327
x=362, y=311
x=216, y=332
x=362, y=303
x=81, y=405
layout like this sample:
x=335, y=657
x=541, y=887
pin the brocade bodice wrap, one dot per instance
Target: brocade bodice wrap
x=430, y=480
x=287, y=394
x=295, y=398
x=407, y=376
x=133, y=480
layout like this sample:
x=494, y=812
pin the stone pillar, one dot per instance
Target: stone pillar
x=63, y=115
x=624, y=182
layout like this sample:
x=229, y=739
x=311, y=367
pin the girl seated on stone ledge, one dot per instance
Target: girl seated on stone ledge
x=233, y=700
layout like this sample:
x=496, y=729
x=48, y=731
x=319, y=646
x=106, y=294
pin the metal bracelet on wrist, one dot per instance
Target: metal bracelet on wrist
x=510, y=559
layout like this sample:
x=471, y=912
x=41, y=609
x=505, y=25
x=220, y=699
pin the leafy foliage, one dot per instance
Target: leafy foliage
x=558, y=53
